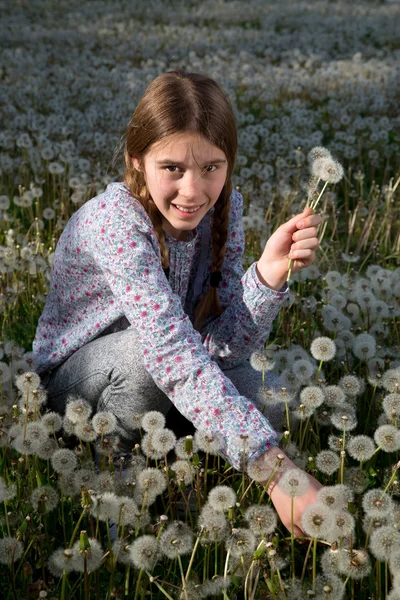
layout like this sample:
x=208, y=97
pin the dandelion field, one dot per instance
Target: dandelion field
x=172, y=520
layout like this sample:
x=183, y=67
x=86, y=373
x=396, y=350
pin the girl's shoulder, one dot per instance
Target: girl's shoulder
x=115, y=205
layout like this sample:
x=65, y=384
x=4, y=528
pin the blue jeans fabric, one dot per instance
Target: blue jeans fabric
x=109, y=373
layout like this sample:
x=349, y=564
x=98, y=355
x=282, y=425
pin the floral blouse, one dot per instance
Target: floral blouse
x=107, y=265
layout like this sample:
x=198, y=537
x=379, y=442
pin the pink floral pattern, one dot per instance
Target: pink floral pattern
x=107, y=264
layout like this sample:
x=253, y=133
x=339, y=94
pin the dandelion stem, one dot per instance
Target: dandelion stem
x=153, y=580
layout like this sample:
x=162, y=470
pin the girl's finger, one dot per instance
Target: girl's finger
x=303, y=234
x=311, y=243
x=301, y=254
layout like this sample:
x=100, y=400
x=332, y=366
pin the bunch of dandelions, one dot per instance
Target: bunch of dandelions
x=324, y=168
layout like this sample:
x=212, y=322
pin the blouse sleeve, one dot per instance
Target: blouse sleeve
x=127, y=252
x=252, y=306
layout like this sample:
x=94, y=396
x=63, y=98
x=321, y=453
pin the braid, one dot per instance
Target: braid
x=210, y=303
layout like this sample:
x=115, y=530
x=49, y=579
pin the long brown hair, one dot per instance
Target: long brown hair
x=180, y=102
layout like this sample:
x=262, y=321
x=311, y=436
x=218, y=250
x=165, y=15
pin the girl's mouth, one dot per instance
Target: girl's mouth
x=187, y=213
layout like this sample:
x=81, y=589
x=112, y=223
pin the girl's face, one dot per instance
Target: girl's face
x=183, y=171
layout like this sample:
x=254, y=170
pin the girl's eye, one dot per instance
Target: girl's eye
x=210, y=168
x=172, y=168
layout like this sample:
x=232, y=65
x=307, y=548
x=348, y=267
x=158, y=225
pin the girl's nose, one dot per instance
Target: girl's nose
x=190, y=185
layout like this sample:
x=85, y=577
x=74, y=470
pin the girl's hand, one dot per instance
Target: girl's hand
x=296, y=239
x=282, y=502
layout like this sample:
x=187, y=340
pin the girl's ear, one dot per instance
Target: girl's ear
x=136, y=163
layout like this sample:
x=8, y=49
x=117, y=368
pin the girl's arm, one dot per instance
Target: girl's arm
x=252, y=305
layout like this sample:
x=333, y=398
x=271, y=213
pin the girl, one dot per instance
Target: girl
x=149, y=304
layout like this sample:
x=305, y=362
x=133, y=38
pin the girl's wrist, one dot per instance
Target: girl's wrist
x=275, y=462
x=267, y=276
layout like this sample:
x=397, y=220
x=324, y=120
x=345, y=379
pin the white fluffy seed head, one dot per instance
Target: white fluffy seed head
x=241, y=542
x=11, y=550
x=323, y=348
x=364, y=346
x=387, y=437
x=104, y=423
x=90, y=559
x=64, y=461
x=317, y=520
x=163, y=440
x=354, y=563
x=333, y=395
x=261, y=361
x=312, y=396
x=294, y=482
x=361, y=447
x=327, y=169
x=44, y=499
x=77, y=410
x=262, y=519
x=384, y=541
x=377, y=503
x=144, y=552
x=351, y=385
x=207, y=442
x=221, y=498
x=213, y=525
x=335, y=497
x=391, y=380
x=318, y=152
x=327, y=462
x=153, y=420
x=391, y=405
x=176, y=540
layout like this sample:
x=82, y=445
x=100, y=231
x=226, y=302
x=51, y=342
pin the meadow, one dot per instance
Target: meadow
x=173, y=520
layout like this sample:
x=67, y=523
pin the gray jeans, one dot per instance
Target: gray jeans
x=109, y=373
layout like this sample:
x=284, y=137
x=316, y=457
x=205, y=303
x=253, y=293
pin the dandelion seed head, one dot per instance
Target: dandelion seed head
x=214, y=525
x=377, y=503
x=45, y=448
x=176, y=540
x=152, y=481
x=104, y=423
x=351, y=385
x=85, y=479
x=371, y=523
x=52, y=421
x=153, y=419
x=106, y=506
x=329, y=587
x=353, y=563
x=327, y=169
x=93, y=556
x=303, y=370
x=44, y=498
x=261, y=361
x=317, y=520
x=163, y=440
x=85, y=432
x=391, y=405
x=241, y=542
x=294, y=482
x=344, y=419
x=122, y=552
x=318, y=152
x=221, y=497
x=383, y=542
x=333, y=395
x=25, y=446
x=355, y=479
x=128, y=511
x=77, y=410
x=11, y=550
x=207, y=442
x=364, y=346
x=262, y=519
x=361, y=447
x=181, y=449
x=27, y=381
x=335, y=497
x=323, y=348
x=183, y=471
x=333, y=279
x=312, y=396
x=391, y=380
x=327, y=462
x=387, y=437
x=344, y=526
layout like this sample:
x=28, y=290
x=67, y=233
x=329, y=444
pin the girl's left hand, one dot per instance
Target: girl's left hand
x=296, y=239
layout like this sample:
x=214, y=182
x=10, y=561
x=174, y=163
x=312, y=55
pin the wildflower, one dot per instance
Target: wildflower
x=312, y=396
x=128, y=511
x=354, y=563
x=361, y=447
x=329, y=587
x=391, y=380
x=207, y=442
x=303, y=412
x=27, y=381
x=262, y=519
x=148, y=448
x=104, y=423
x=318, y=152
x=335, y=497
x=152, y=482
x=183, y=471
x=344, y=419
x=387, y=437
x=356, y=479
x=61, y=560
x=351, y=385
x=260, y=470
x=106, y=506
x=214, y=525
x=344, y=524
x=303, y=370
x=323, y=348
x=25, y=446
x=7, y=492
x=176, y=540
x=85, y=432
x=185, y=450
x=294, y=483
x=52, y=421
x=261, y=361
x=384, y=541
x=92, y=556
x=317, y=520
x=347, y=337
x=11, y=550
x=221, y=497
x=281, y=360
x=153, y=420
x=327, y=462
x=106, y=481
x=377, y=503
x=77, y=410
x=241, y=542
x=333, y=279
x=163, y=440
x=371, y=523
x=364, y=346
x=215, y=586
x=327, y=169
x=122, y=551
x=333, y=395
x=44, y=499
x=86, y=479
x=391, y=405
x=45, y=448
x=5, y=373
